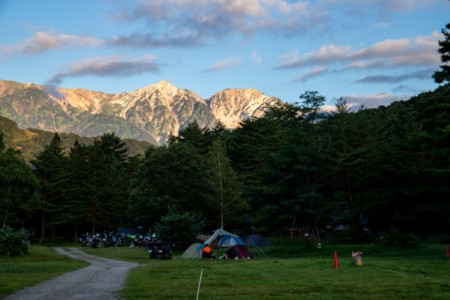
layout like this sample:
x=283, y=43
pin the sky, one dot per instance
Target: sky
x=370, y=52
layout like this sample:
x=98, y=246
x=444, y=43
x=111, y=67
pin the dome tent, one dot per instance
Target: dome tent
x=219, y=239
x=214, y=238
x=192, y=251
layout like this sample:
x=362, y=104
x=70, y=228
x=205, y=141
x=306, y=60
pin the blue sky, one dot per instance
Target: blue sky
x=370, y=52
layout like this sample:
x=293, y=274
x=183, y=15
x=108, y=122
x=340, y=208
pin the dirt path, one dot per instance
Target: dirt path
x=101, y=280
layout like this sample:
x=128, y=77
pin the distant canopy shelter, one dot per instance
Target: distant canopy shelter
x=256, y=240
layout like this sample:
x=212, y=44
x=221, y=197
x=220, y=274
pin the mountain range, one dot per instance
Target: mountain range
x=150, y=114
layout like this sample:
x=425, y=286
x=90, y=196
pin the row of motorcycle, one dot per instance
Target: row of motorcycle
x=104, y=240
x=156, y=248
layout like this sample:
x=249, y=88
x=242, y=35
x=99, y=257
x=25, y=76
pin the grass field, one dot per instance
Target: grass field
x=40, y=265
x=278, y=273
x=284, y=271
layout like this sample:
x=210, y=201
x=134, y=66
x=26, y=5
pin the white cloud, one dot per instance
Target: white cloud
x=211, y=19
x=324, y=55
x=420, y=74
x=225, y=64
x=314, y=72
x=112, y=66
x=372, y=101
x=388, y=54
x=257, y=59
x=386, y=48
x=43, y=41
x=243, y=7
x=381, y=6
x=204, y=19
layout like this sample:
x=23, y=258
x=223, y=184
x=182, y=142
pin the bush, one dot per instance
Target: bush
x=179, y=228
x=438, y=239
x=397, y=238
x=14, y=242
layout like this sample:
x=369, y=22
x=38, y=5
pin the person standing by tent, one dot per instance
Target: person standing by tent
x=207, y=252
x=230, y=254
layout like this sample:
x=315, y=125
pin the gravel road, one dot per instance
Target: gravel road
x=101, y=280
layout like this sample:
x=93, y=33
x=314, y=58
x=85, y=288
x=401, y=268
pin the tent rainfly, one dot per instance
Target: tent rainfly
x=219, y=232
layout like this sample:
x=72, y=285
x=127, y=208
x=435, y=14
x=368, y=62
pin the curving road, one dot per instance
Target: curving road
x=103, y=279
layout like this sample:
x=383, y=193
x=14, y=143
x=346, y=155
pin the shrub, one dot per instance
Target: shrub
x=397, y=238
x=180, y=228
x=14, y=242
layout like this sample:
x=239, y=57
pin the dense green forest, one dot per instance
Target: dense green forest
x=368, y=170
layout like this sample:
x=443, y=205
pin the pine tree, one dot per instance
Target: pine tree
x=444, y=50
x=51, y=169
x=18, y=187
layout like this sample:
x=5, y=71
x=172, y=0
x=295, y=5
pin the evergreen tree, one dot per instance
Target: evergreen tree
x=174, y=175
x=250, y=149
x=51, y=169
x=195, y=136
x=178, y=228
x=96, y=185
x=116, y=195
x=298, y=171
x=113, y=147
x=103, y=178
x=444, y=49
x=78, y=166
x=18, y=187
x=356, y=142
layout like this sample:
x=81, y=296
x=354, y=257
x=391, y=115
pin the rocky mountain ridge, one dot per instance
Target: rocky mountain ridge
x=151, y=113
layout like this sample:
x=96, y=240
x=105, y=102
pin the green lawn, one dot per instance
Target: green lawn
x=284, y=271
x=422, y=273
x=41, y=264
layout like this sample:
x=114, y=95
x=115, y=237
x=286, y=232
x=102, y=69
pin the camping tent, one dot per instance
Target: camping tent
x=220, y=238
x=213, y=239
x=193, y=251
x=228, y=241
x=239, y=252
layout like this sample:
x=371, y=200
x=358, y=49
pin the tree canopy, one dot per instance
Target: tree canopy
x=443, y=75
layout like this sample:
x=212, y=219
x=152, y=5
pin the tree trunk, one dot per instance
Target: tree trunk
x=41, y=238
x=221, y=192
x=52, y=234
x=75, y=234
x=93, y=226
x=4, y=220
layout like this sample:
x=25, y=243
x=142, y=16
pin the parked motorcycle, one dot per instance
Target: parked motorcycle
x=160, y=251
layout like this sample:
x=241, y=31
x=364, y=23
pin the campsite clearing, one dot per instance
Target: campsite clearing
x=289, y=272
x=418, y=274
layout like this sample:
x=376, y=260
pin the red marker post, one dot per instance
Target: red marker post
x=336, y=262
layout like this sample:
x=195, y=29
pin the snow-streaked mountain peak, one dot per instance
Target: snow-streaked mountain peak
x=152, y=113
x=232, y=106
x=164, y=87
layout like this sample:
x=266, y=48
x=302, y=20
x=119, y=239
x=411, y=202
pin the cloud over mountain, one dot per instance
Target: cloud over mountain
x=113, y=66
x=226, y=63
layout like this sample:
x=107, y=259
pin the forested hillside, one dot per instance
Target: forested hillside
x=31, y=141
x=370, y=171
